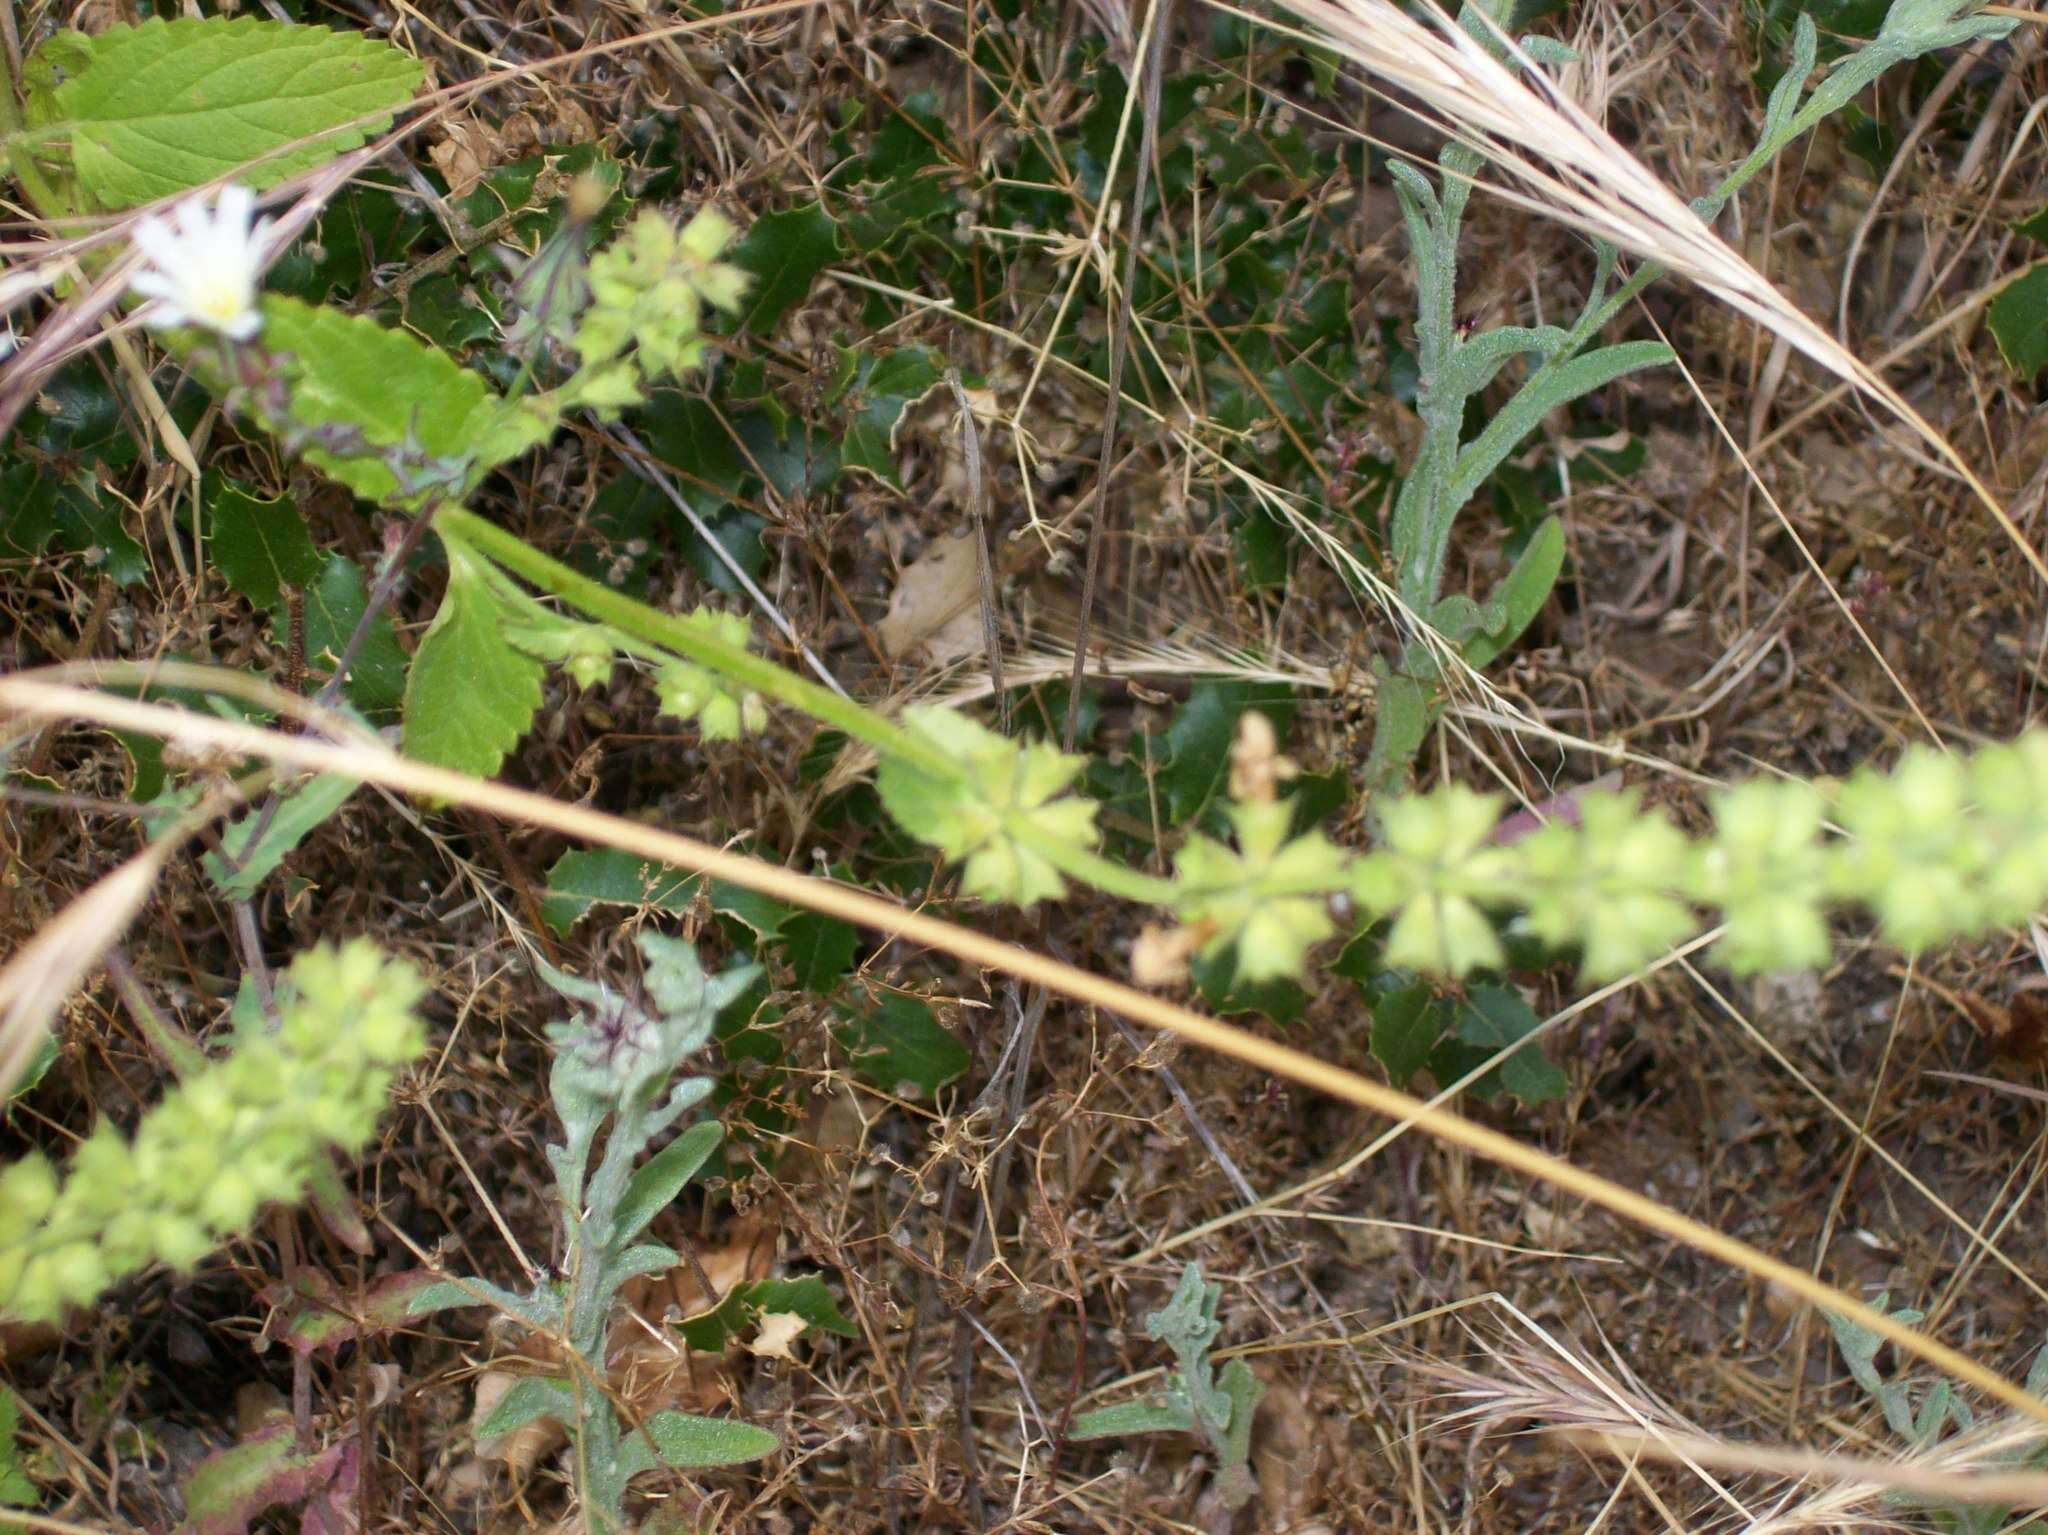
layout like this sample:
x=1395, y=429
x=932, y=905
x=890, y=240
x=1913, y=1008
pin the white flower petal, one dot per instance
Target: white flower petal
x=206, y=263
x=236, y=207
x=157, y=239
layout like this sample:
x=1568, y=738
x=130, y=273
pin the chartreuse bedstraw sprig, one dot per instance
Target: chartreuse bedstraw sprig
x=239, y=1133
x=998, y=805
x=1940, y=848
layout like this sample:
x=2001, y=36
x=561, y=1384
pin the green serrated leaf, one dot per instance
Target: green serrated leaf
x=246, y=860
x=656, y=1183
x=784, y=252
x=1523, y=592
x=899, y=1045
x=685, y=1442
x=399, y=394
x=471, y=695
x=260, y=546
x=160, y=108
x=2019, y=320
x=820, y=948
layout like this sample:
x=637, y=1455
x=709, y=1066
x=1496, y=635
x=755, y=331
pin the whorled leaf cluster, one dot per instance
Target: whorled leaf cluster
x=1940, y=847
x=238, y=1133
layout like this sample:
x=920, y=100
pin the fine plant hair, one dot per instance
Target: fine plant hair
x=1216, y=1406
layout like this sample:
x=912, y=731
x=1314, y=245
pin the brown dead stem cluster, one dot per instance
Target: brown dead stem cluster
x=1426, y=1328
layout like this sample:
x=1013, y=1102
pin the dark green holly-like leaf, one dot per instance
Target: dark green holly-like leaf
x=738, y=532
x=260, y=546
x=609, y=876
x=77, y=414
x=785, y=252
x=819, y=948
x=580, y=880
x=807, y=1297
x=1225, y=992
x=2019, y=320
x=689, y=436
x=1496, y=1018
x=899, y=1044
x=881, y=390
x=38, y=508
x=440, y=309
x=334, y=605
x=1405, y=1028
x=1197, y=745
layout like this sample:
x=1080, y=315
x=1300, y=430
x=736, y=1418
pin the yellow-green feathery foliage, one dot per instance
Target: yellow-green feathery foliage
x=237, y=1134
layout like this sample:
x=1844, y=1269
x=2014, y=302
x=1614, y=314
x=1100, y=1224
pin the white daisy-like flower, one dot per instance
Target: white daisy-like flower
x=205, y=264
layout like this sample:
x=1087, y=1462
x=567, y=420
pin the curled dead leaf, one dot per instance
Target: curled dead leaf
x=772, y=1338
x=1257, y=768
x=935, y=606
x=467, y=149
x=1160, y=956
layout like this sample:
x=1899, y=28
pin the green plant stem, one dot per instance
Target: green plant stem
x=22, y=161
x=673, y=634
x=1104, y=874
x=644, y=624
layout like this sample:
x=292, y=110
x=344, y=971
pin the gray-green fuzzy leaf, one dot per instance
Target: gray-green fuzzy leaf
x=654, y=1186
x=684, y=1442
x=1546, y=390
